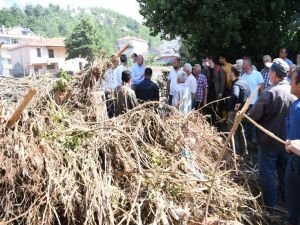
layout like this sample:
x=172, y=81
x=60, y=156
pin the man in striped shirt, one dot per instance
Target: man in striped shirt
x=201, y=92
x=265, y=71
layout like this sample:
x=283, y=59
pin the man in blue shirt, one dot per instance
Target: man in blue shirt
x=137, y=72
x=293, y=167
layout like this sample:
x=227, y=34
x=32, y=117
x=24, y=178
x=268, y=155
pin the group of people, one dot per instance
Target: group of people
x=275, y=105
x=125, y=88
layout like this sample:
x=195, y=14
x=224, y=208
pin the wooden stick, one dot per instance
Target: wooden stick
x=16, y=115
x=122, y=50
x=219, y=100
x=265, y=130
x=237, y=120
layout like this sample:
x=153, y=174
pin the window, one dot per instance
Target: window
x=38, y=51
x=51, y=53
x=14, y=41
x=51, y=67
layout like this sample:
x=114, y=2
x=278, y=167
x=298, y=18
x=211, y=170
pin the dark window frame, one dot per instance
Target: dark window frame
x=51, y=53
x=51, y=67
x=38, y=52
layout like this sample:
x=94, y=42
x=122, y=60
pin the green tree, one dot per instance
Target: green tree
x=224, y=26
x=84, y=41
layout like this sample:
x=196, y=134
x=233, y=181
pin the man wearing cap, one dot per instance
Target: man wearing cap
x=118, y=71
x=239, y=93
x=271, y=111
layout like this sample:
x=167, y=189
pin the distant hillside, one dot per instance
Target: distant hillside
x=53, y=21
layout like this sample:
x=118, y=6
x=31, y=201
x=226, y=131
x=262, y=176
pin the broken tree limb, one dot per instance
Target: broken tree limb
x=16, y=115
x=239, y=116
x=122, y=50
x=265, y=130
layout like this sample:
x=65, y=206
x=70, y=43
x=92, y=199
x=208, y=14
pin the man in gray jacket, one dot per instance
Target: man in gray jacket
x=271, y=111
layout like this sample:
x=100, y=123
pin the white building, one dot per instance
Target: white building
x=136, y=45
x=169, y=50
x=46, y=55
x=9, y=38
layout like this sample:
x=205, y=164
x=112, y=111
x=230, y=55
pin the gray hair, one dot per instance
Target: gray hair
x=267, y=58
x=240, y=62
x=188, y=67
x=182, y=76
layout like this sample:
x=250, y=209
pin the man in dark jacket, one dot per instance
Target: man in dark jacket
x=239, y=93
x=271, y=111
x=147, y=90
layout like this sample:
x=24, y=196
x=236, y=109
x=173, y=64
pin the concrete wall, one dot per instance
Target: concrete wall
x=27, y=60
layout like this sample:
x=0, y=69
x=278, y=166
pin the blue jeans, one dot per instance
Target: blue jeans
x=270, y=164
x=292, y=193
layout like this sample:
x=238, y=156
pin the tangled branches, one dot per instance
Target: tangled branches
x=152, y=165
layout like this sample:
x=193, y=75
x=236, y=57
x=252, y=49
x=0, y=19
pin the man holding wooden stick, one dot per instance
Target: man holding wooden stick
x=293, y=147
x=271, y=111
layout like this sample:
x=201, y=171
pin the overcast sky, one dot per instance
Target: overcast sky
x=126, y=7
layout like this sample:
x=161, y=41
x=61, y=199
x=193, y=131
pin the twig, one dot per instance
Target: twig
x=265, y=130
x=219, y=100
x=237, y=120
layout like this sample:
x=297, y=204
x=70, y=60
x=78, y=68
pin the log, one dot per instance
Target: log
x=16, y=115
x=122, y=50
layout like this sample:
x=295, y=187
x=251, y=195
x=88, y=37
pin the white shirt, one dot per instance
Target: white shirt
x=182, y=94
x=191, y=82
x=137, y=73
x=109, y=80
x=173, y=80
x=118, y=74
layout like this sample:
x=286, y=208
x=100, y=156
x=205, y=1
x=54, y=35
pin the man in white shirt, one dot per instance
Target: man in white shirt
x=182, y=98
x=191, y=81
x=172, y=79
x=254, y=79
x=118, y=71
x=137, y=72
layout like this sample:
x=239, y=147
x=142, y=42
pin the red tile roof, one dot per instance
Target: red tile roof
x=44, y=42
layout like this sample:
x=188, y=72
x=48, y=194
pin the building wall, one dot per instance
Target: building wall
x=10, y=41
x=26, y=60
x=20, y=61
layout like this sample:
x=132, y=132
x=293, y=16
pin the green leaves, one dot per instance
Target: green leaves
x=230, y=27
x=84, y=41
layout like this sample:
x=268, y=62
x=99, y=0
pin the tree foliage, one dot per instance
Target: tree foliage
x=53, y=21
x=84, y=41
x=225, y=26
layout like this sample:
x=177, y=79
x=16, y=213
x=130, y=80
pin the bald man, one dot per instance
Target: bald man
x=137, y=71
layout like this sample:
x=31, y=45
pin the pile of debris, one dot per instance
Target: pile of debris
x=65, y=162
